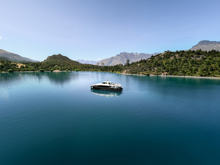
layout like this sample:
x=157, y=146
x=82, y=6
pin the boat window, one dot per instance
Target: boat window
x=107, y=82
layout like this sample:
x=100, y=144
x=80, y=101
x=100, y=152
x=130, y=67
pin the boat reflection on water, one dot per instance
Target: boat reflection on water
x=106, y=93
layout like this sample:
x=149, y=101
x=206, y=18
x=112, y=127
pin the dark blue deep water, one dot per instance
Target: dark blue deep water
x=55, y=119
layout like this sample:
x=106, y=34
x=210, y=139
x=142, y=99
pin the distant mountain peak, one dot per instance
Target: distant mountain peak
x=87, y=62
x=206, y=45
x=123, y=57
x=205, y=42
x=59, y=59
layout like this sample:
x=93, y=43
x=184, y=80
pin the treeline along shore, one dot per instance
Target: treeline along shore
x=180, y=63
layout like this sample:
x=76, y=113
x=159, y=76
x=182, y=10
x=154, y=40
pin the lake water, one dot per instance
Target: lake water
x=55, y=119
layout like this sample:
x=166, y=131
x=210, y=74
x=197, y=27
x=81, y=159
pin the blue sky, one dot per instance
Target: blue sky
x=96, y=29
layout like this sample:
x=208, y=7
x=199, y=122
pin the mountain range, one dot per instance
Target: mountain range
x=13, y=57
x=123, y=58
x=193, y=62
x=87, y=62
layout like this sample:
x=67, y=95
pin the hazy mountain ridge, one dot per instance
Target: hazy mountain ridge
x=87, y=62
x=207, y=45
x=123, y=57
x=13, y=57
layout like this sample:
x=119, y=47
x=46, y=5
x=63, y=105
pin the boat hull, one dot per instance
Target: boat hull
x=106, y=88
x=106, y=93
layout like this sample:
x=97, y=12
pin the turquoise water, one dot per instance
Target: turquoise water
x=54, y=118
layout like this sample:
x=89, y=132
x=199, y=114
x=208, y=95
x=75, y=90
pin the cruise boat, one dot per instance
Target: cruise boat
x=107, y=85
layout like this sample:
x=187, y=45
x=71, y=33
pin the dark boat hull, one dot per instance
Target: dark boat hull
x=106, y=93
x=106, y=88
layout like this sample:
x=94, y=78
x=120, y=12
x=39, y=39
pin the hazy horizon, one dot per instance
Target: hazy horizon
x=95, y=29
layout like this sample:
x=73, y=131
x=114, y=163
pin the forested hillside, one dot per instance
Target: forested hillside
x=55, y=62
x=180, y=63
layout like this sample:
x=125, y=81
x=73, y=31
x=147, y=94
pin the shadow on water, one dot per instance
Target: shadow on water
x=106, y=93
x=60, y=78
x=56, y=78
x=9, y=78
x=169, y=85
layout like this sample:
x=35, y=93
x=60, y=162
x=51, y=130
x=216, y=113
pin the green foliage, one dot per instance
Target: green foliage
x=6, y=66
x=181, y=63
x=57, y=62
x=10, y=70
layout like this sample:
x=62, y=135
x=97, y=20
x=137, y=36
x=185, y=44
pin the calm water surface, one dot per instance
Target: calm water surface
x=55, y=119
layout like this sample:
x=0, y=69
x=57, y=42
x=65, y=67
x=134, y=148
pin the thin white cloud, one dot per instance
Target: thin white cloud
x=1, y=37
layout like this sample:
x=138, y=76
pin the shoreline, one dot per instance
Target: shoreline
x=192, y=77
x=173, y=76
x=129, y=74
